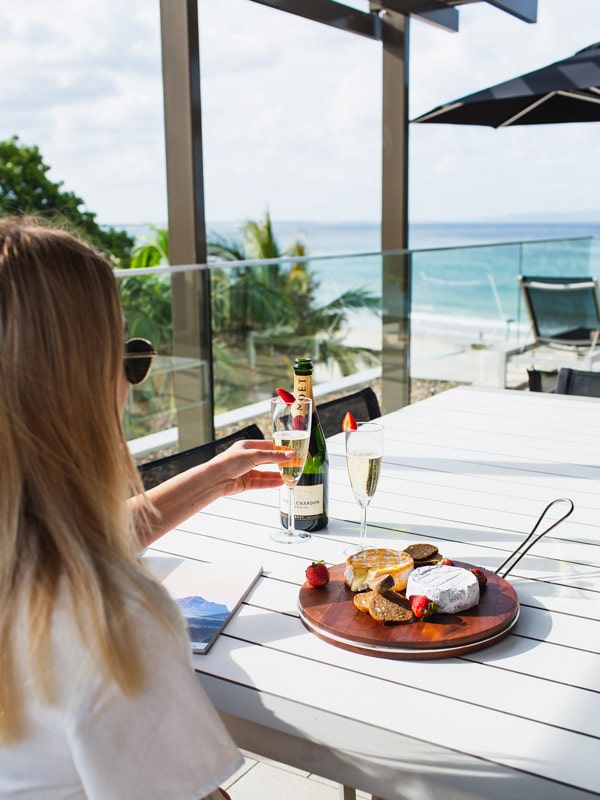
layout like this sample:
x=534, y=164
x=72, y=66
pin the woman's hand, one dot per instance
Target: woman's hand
x=232, y=471
x=239, y=463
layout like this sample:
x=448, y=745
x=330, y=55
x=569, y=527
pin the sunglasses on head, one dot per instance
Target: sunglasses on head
x=138, y=360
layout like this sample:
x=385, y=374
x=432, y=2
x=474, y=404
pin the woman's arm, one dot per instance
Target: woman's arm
x=230, y=472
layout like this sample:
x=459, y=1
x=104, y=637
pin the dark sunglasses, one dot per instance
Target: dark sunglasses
x=138, y=360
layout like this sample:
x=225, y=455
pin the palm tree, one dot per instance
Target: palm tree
x=277, y=303
x=152, y=250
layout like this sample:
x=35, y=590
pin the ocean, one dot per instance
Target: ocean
x=464, y=275
x=326, y=239
x=342, y=238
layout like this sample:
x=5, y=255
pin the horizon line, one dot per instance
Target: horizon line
x=542, y=220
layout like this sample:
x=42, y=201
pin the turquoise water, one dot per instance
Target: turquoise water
x=464, y=276
x=474, y=291
x=324, y=239
x=461, y=283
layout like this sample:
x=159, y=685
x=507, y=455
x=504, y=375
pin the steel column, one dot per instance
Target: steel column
x=187, y=226
x=394, y=213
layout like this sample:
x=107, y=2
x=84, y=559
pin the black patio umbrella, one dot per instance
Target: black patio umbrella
x=566, y=91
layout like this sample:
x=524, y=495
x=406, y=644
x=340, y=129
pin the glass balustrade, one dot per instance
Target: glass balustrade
x=396, y=321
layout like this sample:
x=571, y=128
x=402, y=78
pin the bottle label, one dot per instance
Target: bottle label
x=308, y=501
x=299, y=411
x=303, y=385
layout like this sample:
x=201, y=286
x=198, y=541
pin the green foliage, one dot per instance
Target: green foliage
x=272, y=310
x=260, y=315
x=146, y=303
x=25, y=188
x=258, y=243
x=153, y=250
x=146, y=300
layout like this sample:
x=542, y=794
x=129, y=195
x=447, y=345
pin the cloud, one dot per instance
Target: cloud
x=85, y=86
x=291, y=110
x=292, y=134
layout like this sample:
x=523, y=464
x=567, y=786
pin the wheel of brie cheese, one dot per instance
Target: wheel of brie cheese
x=454, y=589
x=365, y=565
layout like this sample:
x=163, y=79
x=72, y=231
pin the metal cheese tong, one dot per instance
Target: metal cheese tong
x=533, y=537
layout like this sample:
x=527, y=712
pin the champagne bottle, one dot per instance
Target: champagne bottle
x=311, y=492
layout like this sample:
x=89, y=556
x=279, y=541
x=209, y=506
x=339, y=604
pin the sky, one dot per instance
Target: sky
x=292, y=112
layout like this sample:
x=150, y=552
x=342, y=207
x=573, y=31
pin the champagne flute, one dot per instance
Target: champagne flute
x=364, y=451
x=290, y=425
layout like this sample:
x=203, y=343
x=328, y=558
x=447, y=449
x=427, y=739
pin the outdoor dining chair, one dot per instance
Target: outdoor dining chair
x=578, y=381
x=564, y=312
x=541, y=380
x=363, y=405
x=154, y=472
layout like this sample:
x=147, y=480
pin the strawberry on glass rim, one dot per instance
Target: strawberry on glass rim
x=349, y=423
x=286, y=396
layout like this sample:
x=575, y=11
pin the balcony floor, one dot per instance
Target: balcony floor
x=273, y=781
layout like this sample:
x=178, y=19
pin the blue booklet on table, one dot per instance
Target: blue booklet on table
x=208, y=594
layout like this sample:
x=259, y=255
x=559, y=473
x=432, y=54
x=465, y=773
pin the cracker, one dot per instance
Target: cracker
x=421, y=552
x=361, y=600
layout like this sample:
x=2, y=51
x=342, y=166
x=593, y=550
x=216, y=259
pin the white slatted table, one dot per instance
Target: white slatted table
x=470, y=470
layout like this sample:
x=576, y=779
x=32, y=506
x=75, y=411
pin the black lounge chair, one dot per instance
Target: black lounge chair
x=363, y=405
x=154, y=472
x=564, y=312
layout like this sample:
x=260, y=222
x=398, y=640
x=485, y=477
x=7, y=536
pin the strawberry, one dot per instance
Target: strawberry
x=349, y=423
x=299, y=422
x=421, y=606
x=317, y=574
x=481, y=579
x=446, y=562
x=286, y=396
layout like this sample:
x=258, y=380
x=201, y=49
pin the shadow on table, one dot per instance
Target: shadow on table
x=369, y=758
x=482, y=467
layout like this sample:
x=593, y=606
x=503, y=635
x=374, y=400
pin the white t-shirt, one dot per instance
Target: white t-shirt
x=166, y=743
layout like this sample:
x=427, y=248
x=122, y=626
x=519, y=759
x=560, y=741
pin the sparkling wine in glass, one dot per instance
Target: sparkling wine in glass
x=364, y=451
x=290, y=425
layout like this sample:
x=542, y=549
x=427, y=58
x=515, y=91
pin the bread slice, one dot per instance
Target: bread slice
x=386, y=608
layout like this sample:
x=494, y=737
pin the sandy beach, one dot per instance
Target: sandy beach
x=444, y=357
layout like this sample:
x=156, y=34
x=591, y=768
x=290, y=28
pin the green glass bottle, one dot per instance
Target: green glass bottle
x=312, y=490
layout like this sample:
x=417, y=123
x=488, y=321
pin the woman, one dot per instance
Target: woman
x=98, y=698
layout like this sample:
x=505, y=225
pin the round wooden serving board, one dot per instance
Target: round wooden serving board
x=330, y=613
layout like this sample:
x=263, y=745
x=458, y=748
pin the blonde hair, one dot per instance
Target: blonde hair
x=65, y=470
